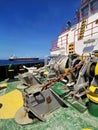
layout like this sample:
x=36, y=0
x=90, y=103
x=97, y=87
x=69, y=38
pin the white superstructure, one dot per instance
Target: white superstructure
x=81, y=37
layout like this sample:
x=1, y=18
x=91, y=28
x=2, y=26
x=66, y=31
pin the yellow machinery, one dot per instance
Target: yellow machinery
x=93, y=94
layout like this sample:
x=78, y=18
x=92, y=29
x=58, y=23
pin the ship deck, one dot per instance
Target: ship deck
x=60, y=119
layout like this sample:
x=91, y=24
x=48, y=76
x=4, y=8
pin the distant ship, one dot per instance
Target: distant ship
x=14, y=58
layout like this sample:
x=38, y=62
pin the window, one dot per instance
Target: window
x=84, y=11
x=94, y=5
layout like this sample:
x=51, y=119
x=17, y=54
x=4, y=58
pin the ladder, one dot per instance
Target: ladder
x=82, y=29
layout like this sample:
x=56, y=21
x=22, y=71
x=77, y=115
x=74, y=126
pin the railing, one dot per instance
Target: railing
x=54, y=45
x=61, y=42
x=91, y=30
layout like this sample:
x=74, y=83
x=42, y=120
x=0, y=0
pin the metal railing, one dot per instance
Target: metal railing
x=90, y=30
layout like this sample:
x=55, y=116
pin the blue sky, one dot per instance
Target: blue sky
x=27, y=27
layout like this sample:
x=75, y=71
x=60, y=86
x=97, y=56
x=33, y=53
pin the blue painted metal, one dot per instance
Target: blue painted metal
x=88, y=48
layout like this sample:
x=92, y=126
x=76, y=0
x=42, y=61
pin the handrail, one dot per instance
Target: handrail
x=65, y=39
x=56, y=42
x=90, y=30
x=54, y=45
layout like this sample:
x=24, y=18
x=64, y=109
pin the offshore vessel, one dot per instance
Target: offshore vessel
x=62, y=95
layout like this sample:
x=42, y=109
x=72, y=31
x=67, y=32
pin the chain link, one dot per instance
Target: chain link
x=61, y=76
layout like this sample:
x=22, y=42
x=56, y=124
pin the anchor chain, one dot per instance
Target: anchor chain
x=61, y=76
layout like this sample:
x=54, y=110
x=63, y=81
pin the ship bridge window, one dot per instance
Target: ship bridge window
x=94, y=5
x=84, y=11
